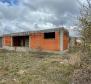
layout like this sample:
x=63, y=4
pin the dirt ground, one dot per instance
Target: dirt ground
x=34, y=68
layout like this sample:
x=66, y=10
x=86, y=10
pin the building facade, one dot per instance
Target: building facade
x=56, y=39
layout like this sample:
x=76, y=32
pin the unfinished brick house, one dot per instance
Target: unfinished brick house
x=56, y=39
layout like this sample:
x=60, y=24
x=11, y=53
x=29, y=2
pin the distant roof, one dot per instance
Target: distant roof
x=35, y=31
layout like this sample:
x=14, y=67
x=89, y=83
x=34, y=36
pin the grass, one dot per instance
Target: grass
x=33, y=68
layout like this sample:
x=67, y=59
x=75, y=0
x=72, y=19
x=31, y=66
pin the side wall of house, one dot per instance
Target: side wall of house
x=7, y=41
x=65, y=40
x=37, y=41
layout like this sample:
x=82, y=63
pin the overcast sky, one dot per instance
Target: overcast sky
x=24, y=15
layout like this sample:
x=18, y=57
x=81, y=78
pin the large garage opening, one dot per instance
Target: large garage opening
x=21, y=41
x=0, y=42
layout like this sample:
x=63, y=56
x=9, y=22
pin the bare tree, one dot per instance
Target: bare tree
x=82, y=75
x=85, y=24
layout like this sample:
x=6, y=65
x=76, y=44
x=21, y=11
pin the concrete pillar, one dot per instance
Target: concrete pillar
x=3, y=42
x=61, y=39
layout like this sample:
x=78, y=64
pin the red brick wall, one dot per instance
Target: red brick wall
x=38, y=42
x=7, y=40
x=65, y=40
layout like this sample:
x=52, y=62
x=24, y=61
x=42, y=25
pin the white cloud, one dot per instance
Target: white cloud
x=37, y=14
